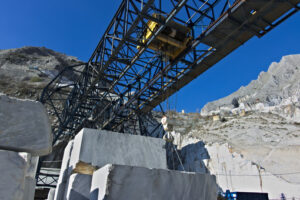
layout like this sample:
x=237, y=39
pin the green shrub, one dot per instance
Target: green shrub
x=36, y=79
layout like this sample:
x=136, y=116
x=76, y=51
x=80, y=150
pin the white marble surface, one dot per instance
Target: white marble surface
x=24, y=126
x=65, y=172
x=119, y=182
x=100, y=147
x=79, y=186
x=51, y=194
x=30, y=181
x=17, y=175
x=236, y=173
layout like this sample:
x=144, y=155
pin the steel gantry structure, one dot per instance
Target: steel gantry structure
x=149, y=51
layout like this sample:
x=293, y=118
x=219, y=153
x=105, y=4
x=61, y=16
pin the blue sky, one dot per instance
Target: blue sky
x=74, y=27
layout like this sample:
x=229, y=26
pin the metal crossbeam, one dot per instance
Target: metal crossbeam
x=125, y=79
x=126, y=69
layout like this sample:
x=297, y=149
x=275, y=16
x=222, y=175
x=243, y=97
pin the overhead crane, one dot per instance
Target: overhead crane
x=149, y=51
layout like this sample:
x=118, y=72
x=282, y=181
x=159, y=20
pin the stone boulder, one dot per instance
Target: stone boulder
x=24, y=126
x=92, y=149
x=100, y=147
x=126, y=182
x=17, y=181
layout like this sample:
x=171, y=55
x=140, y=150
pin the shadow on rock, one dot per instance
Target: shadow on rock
x=193, y=157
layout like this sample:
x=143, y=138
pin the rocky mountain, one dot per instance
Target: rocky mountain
x=276, y=90
x=25, y=71
x=250, y=139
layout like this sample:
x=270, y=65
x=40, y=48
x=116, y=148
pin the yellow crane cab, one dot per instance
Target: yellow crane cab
x=171, y=41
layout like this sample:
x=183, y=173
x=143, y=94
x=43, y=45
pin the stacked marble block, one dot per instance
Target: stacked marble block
x=25, y=134
x=100, y=164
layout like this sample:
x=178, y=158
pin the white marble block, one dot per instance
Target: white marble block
x=17, y=180
x=65, y=172
x=119, y=182
x=30, y=181
x=29, y=188
x=100, y=147
x=24, y=126
x=79, y=186
x=51, y=194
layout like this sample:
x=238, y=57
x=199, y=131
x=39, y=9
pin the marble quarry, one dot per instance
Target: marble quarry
x=99, y=164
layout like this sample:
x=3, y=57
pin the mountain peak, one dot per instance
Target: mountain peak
x=271, y=88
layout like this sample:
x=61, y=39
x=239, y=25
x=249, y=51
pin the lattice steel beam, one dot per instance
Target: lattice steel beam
x=125, y=79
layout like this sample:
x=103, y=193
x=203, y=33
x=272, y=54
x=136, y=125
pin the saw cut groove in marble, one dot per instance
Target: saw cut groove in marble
x=24, y=126
x=119, y=182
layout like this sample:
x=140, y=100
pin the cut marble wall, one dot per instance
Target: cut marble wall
x=236, y=173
